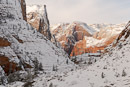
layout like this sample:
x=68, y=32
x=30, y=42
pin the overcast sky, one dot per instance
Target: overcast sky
x=89, y=11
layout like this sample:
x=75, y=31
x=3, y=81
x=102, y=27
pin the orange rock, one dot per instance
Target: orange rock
x=79, y=48
x=94, y=49
x=110, y=40
x=71, y=35
x=35, y=22
x=4, y=42
x=125, y=33
x=9, y=67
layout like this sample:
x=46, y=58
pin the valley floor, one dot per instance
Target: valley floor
x=104, y=73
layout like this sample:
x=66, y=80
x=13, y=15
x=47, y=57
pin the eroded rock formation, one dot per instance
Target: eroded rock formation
x=69, y=34
x=84, y=42
x=38, y=18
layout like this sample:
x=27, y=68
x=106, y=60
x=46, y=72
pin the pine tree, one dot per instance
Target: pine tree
x=51, y=85
x=41, y=67
x=67, y=61
x=40, y=25
x=124, y=73
x=53, y=68
x=102, y=75
x=95, y=60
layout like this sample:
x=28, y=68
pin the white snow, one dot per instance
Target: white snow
x=35, y=8
x=90, y=41
x=89, y=29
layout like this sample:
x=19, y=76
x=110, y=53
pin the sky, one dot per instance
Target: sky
x=88, y=11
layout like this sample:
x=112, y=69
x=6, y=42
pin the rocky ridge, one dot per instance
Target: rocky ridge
x=23, y=48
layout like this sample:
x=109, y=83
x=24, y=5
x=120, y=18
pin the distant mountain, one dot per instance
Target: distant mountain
x=92, y=41
x=112, y=70
x=77, y=38
x=70, y=33
x=100, y=26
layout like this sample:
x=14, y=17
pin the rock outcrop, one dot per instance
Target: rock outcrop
x=123, y=35
x=22, y=47
x=4, y=42
x=37, y=16
x=44, y=25
x=77, y=40
x=23, y=6
x=69, y=34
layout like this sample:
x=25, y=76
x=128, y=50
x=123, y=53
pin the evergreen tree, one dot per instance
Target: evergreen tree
x=124, y=73
x=102, y=75
x=67, y=61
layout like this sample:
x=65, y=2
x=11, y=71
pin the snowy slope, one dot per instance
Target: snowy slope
x=27, y=45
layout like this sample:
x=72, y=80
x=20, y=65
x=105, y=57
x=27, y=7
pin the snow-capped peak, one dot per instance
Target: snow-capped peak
x=36, y=9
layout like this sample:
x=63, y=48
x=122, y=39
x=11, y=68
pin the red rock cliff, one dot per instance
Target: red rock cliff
x=23, y=6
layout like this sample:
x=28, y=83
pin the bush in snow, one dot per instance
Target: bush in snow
x=102, y=75
x=51, y=85
x=124, y=73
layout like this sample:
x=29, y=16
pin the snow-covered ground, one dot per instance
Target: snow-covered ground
x=112, y=70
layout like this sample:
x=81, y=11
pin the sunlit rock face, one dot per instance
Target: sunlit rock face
x=37, y=16
x=77, y=39
x=70, y=33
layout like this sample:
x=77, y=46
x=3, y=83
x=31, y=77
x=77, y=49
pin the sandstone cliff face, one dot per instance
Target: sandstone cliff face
x=35, y=22
x=79, y=48
x=123, y=35
x=37, y=16
x=4, y=42
x=80, y=41
x=69, y=34
x=23, y=6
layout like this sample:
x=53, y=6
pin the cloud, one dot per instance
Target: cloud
x=89, y=11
